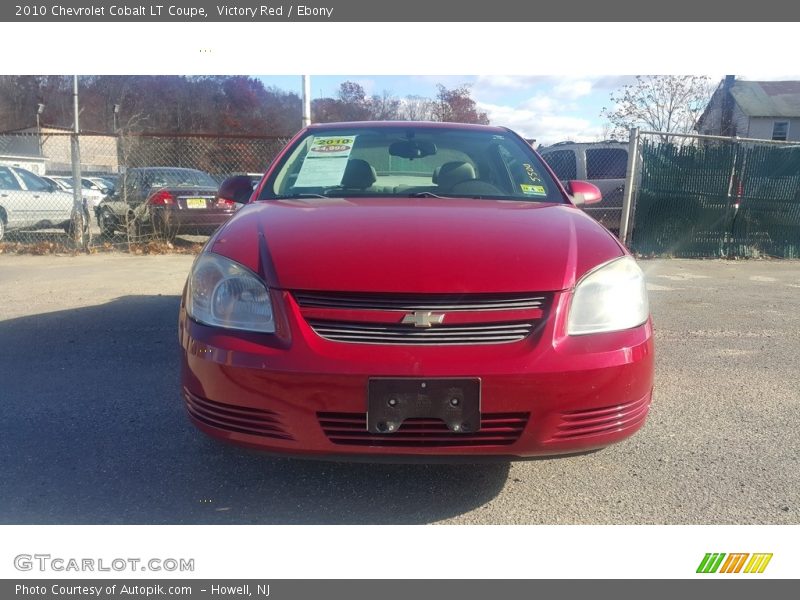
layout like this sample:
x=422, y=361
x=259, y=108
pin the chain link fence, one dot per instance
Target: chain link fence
x=691, y=195
x=687, y=195
x=135, y=189
x=706, y=196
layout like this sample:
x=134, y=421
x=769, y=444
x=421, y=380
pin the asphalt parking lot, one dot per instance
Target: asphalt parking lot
x=92, y=430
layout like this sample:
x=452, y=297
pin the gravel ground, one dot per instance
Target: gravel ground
x=92, y=430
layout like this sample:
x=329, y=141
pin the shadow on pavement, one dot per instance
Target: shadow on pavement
x=92, y=431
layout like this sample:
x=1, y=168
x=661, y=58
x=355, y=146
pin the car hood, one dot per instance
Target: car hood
x=423, y=245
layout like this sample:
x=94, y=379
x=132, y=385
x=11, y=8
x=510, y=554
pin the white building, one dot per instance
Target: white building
x=767, y=110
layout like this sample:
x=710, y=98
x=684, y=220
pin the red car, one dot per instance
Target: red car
x=415, y=289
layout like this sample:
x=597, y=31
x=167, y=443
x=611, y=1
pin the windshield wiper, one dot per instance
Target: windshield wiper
x=297, y=196
x=426, y=195
x=450, y=196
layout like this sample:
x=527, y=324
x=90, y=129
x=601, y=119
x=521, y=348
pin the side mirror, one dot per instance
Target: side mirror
x=238, y=189
x=583, y=193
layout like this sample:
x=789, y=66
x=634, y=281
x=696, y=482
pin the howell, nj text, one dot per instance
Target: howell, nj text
x=261, y=590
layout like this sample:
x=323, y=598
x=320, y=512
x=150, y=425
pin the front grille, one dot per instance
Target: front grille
x=578, y=424
x=376, y=318
x=412, y=302
x=408, y=334
x=241, y=419
x=497, y=429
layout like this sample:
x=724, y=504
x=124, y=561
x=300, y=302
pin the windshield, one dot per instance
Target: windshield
x=412, y=162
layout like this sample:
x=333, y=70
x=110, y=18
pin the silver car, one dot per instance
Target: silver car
x=29, y=202
x=93, y=192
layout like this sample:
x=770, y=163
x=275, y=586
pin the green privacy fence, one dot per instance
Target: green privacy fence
x=717, y=198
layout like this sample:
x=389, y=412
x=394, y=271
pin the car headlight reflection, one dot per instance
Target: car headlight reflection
x=611, y=297
x=225, y=294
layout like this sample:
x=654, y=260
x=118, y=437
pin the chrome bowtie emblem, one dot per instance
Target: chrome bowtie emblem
x=423, y=318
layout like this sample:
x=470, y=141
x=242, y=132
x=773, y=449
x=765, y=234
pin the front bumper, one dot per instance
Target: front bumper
x=299, y=394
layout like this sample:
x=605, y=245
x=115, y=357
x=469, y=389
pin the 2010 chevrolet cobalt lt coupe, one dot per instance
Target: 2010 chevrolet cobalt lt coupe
x=414, y=289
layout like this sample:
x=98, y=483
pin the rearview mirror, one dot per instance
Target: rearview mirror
x=412, y=149
x=238, y=189
x=583, y=193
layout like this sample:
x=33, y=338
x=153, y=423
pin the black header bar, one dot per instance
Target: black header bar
x=457, y=11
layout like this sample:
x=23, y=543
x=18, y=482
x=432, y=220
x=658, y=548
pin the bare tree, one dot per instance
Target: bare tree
x=416, y=108
x=668, y=103
x=385, y=107
x=608, y=132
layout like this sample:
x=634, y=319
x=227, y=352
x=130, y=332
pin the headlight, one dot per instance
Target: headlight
x=225, y=294
x=609, y=298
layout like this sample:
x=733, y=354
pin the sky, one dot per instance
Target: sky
x=548, y=108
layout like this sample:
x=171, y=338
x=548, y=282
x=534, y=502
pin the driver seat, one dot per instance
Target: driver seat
x=358, y=175
x=451, y=174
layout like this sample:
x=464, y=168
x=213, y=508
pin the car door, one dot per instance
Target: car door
x=23, y=203
x=14, y=201
x=46, y=203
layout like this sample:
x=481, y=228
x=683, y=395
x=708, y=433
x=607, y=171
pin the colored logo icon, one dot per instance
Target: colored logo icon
x=719, y=562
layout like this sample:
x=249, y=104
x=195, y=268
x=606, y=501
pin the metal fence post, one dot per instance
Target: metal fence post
x=732, y=204
x=630, y=178
x=77, y=194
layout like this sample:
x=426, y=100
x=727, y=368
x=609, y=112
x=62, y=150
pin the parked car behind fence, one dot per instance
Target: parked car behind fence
x=166, y=201
x=28, y=201
x=601, y=163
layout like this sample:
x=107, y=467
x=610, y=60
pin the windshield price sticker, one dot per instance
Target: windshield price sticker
x=331, y=147
x=325, y=162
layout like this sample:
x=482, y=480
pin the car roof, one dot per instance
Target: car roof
x=406, y=124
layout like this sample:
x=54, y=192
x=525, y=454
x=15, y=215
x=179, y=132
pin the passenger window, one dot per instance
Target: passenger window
x=563, y=163
x=606, y=163
x=32, y=182
x=7, y=180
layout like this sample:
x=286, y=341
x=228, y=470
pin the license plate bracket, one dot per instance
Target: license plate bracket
x=390, y=401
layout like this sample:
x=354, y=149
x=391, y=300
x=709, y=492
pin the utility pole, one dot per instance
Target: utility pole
x=39, y=111
x=77, y=196
x=306, y=100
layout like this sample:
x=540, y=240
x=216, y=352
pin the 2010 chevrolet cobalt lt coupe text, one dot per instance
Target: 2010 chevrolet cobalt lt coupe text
x=414, y=289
